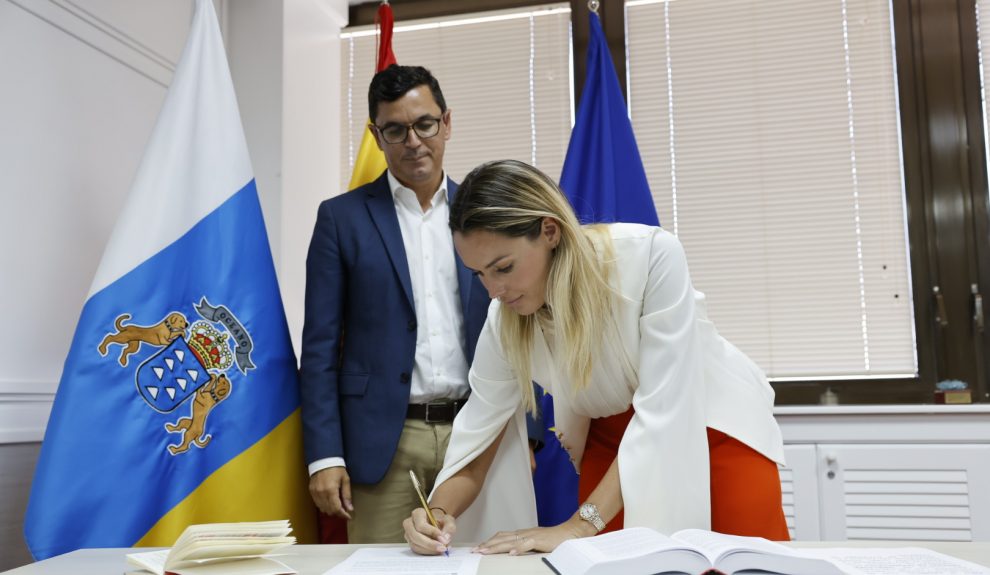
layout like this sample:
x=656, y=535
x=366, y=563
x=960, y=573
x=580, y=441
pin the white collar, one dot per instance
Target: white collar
x=396, y=187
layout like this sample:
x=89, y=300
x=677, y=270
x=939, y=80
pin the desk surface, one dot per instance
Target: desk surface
x=316, y=559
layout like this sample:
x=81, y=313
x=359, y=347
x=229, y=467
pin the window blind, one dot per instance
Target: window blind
x=505, y=75
x=770, y=134
x=983, y=31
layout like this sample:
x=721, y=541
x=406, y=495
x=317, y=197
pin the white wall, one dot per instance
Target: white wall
x=253, y=34
x=82, y=85
x=311, y=136
x=81, y=93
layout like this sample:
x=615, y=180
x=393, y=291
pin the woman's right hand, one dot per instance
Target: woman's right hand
x=423, y=537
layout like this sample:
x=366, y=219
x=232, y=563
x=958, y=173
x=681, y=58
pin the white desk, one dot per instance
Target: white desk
x=315, y=559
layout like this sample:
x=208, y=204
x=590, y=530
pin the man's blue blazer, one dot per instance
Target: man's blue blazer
x=359, y=339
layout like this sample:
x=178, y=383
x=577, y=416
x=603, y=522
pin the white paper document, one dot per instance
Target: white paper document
x=895, y=561
x=390, y=560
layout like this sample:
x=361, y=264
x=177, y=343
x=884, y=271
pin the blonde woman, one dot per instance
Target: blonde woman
x=667, y=422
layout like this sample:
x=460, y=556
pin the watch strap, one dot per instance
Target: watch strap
x=589, y=512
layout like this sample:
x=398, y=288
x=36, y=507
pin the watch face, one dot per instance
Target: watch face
x=589, y=512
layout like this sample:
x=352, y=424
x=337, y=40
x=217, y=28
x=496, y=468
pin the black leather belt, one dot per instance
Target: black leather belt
x=436, y=411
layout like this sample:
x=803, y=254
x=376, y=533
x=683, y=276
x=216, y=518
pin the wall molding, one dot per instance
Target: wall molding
x=22, y=387
x=24, y=416
x=114, y=43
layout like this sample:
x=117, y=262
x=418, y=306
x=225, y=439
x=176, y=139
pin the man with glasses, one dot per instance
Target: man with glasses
x=392, y=319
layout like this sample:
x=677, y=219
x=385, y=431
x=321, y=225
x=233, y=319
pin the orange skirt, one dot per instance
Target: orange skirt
x=745, y=485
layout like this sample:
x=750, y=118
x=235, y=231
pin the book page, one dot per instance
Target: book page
x=153, y=561
x=392, y=560
x=631, y=550
x=633, y=542
x=278, y=528
x=718, y=545
x=262, y=529
x=252, y=566
x=229, y=540
x=898, y=561
x=227, y=548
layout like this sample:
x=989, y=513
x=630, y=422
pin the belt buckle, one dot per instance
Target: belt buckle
x=427, y=407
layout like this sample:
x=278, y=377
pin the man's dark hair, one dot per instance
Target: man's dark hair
x=393, y=82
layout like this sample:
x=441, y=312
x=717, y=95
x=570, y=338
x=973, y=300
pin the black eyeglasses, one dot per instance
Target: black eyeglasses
x=397, y=133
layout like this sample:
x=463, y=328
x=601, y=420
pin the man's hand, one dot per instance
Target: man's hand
x=330, y=489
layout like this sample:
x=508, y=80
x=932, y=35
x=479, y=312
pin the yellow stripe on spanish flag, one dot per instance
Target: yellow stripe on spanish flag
x=369, y=164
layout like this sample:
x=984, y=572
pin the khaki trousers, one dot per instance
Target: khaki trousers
x=379, y=509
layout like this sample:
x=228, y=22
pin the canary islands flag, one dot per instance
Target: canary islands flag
x=604, y=180
x=178, y=401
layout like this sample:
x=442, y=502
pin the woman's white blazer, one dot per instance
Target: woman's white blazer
x=663, y=357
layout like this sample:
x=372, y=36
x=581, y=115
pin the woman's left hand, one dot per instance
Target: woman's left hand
x=536, y=539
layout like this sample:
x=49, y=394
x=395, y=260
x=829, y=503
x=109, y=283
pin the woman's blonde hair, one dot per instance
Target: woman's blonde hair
x=512, y=198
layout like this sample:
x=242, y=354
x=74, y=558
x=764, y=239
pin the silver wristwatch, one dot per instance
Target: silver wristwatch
x=589, y=512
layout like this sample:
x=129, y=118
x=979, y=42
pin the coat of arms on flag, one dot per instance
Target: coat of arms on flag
x=192, y=363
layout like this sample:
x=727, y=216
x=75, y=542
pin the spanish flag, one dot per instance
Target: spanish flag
x=178, y=402
x=370, y=161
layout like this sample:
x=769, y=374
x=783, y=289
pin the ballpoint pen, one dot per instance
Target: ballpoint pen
x=426, y=507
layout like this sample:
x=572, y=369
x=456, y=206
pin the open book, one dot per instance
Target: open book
x=217, y=548
x=642, y=551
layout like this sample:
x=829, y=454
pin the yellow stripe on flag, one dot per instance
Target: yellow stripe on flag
x=265, y=482
x=370, y=162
